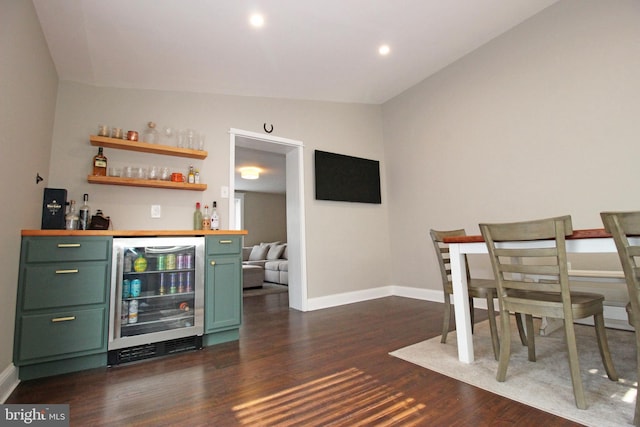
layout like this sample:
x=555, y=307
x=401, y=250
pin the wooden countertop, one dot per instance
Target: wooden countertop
x=130, y=233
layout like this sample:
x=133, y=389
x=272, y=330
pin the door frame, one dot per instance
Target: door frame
x=296, y=240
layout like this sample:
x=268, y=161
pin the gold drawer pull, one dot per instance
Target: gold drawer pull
x=66, y=271
x=213, y=263
x=225, y=242
x=68, y=245
x=63, y=319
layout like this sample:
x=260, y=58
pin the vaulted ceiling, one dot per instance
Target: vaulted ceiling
x=306, y=49
x=324, y=50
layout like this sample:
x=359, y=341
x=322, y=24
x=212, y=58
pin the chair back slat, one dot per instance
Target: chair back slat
x=528, y=252
x=547, y=270
x=531, y=230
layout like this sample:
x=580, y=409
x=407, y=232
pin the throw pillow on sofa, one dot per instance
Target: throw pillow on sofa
x=275, y=252
x=258, y=253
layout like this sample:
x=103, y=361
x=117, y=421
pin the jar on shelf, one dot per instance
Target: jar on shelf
x=150, y=134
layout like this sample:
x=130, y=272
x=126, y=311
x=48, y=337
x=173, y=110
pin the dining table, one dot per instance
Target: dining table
x=595, y=240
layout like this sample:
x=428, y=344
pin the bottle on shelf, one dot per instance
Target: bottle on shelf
x=150, y=134
x=215, y=219
x=100, y=163
x=197, y=218
x=206, y=219
x=85, y=217
x=191, y=177
x=197, y=177
x=71, y=218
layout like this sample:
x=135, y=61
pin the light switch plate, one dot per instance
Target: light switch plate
x=224, y=192
x=156, y=211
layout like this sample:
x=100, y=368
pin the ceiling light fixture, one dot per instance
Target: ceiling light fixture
x=250, y=172
x=256, y=20
x=384, y=49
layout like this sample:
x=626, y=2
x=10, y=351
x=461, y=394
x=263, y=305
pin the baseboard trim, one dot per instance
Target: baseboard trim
x=348, y=298
x=615, y=316
x=8, y=382
x=369, y=294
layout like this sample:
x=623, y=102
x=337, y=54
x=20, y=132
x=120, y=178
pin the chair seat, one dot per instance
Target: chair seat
x=583, y=304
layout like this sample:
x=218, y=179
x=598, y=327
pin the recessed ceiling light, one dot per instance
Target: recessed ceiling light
x=256, y=20
x=384, y=49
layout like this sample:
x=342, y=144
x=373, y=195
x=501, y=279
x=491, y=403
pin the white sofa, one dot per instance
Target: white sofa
x=272, y=257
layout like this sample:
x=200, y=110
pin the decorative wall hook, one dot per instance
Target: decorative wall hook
x=268, y=130
x=39, y=178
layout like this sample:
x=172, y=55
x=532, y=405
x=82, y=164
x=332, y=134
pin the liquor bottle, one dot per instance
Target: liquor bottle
x=84, y=213
x=191, y=177
x=99, y=164
x=197, y=178
x=71, y=219
x=206, y=219
x=215, y=219
x=197, y=218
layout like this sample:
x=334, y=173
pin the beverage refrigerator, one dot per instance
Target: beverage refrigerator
x=157, y=297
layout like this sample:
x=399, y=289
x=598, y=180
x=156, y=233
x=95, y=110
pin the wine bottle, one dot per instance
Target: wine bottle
x=99, y=164
x=84, y=213
x=197, y=218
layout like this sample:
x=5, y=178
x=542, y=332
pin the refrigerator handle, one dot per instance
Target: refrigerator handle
x=116, y=293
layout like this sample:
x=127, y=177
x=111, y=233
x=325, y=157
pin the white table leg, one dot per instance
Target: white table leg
x=461, y=304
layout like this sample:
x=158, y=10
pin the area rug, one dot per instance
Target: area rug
x=266, y=289
x=546, y=383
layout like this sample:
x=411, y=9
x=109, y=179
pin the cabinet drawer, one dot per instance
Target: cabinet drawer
x=64, y=284
x=55, y=334
x=51, y=249
x=223, y=244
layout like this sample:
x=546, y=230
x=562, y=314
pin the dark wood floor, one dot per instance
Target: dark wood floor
x=327, y=367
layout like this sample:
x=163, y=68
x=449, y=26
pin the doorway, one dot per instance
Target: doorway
x=293, y=152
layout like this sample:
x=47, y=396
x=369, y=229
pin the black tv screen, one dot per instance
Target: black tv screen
x=346, y=178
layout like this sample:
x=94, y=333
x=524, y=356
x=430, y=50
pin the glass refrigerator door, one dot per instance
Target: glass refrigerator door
x=157, y=285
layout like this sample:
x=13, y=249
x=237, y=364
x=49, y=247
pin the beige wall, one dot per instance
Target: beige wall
x=28, y=83
x=352, y=129
x=542, y=121
x=265, y=217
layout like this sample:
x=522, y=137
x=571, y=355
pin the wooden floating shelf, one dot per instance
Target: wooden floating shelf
x=144, y=147
x=151, y=183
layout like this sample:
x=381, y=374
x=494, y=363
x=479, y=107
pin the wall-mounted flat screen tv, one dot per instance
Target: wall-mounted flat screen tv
x=346, y=178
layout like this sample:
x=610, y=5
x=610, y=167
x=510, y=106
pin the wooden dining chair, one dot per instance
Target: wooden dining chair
x=540, y=252
x=478, y=288
x=622, y=226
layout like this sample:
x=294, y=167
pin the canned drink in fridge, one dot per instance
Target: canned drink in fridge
x=180, y=261
x=173, y=283
x=188, y=260
x=163, y=285
x=136, y=287
x=126, y=288
x=162, y=263
x=133, y=311
x=188, y=286
x=124, y=314
x=128, y=263
x=181, y=282
x=171, y=261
